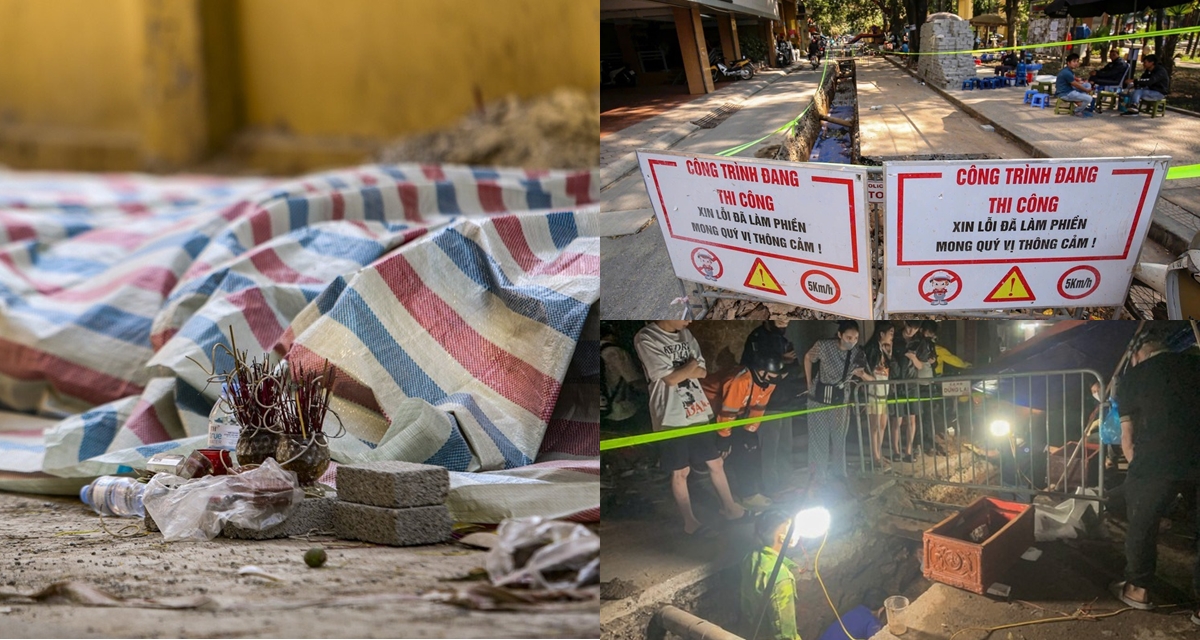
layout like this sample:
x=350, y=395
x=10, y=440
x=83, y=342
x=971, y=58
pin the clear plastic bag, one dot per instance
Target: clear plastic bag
x=198, y=509
x=544, y=554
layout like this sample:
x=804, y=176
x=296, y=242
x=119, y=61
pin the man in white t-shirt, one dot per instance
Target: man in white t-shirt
x=674, y=367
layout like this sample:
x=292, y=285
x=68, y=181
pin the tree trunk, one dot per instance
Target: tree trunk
x=1158, y=40
x=922, y=7
x=894, y=7
x=1010, y=13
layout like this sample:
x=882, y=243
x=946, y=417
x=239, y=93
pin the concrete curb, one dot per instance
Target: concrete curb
x=625, y=164
x=1163, y=230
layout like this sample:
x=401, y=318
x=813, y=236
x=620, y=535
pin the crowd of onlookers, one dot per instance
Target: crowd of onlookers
x=676, y=387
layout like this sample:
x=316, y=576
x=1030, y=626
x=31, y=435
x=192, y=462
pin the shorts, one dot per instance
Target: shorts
x=681, y=453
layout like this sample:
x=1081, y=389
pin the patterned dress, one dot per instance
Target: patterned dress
x=827, y=429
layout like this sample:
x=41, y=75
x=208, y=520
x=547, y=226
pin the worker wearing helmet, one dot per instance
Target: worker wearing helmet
x=743, y=392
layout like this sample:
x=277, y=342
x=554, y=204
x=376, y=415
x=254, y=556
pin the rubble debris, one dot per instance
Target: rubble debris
x=393, y=484
x=393, y=527
x=556, y=131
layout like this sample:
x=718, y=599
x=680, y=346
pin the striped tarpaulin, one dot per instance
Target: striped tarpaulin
x=449, y=301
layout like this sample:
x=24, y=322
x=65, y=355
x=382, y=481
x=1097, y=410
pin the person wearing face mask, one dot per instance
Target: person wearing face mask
x=744, y=392
x=841, y=359
x=1158, y=405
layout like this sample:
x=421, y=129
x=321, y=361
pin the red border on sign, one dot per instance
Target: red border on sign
x=853, y=225
x=753, y=267
x=900, y=178
x=929, y=298
x=837, y=289
x=1089, y=292
x=721, y=266
x=1024, y=283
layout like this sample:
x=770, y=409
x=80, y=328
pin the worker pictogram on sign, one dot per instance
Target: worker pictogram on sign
x=760, y=278
x=940, y=287
x=1013, y=287
x=707, y=263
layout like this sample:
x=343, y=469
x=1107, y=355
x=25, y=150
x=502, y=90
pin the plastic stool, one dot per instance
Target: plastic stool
x=1029, y=95
x=969, y=84
x=1155, y=108
x=1039, y=100
x=1063, y=107
x=1106, y=100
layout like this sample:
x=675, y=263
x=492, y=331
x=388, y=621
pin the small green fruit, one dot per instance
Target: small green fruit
x=315, y=557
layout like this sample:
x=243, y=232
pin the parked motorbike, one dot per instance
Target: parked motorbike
x=741, y=69
x=783, y=53
x=617, y=75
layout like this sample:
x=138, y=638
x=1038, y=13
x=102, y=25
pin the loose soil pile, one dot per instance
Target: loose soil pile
x=557, y=131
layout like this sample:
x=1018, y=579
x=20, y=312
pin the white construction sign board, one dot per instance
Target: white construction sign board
x=1004, y=234
x=780, y=231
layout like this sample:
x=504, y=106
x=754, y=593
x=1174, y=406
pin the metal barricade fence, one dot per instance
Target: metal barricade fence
x=1019, y=433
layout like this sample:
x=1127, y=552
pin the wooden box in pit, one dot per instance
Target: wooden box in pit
x=952, y=558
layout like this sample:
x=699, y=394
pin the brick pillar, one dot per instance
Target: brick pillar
x=693, y=49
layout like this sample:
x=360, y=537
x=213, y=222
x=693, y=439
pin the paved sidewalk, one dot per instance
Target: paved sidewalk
x=899, y=116
x=663, y=131
x=637, y=281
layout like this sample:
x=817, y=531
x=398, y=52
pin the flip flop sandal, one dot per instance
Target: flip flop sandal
x=1196, y=617
x=746, y=517
x=1117, y=589
x=704, y=532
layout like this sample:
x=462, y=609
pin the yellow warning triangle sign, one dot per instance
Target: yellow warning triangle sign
x=760, y=278
x=1013, y=287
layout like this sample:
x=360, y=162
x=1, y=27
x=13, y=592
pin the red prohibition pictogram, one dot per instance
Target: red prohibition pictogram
x=940, y=286
x=820, y=287
x=707, y=263
x=1079, y=281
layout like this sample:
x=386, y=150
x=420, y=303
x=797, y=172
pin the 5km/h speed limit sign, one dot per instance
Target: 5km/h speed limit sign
x=1009, y=234
x=782, y=231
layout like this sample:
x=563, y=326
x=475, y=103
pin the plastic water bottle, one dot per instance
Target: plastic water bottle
x=115, y=496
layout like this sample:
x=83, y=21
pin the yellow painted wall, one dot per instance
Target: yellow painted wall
x=70, y=63
x=388, y=67
x=288, y=85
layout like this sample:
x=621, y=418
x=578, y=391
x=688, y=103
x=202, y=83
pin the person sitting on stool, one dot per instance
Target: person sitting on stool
x=1068, y=87
x=1154, y=84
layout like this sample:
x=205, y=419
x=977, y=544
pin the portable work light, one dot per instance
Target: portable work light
x=810, y=523
x=1000, y=428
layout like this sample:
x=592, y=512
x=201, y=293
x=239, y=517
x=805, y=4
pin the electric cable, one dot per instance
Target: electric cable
x=817, y=572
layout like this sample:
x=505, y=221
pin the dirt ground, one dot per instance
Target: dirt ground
x=363, y=591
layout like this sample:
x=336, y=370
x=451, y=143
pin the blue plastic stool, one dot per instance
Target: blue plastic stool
x=969, y=84
x=1039, y=100
x=1029, y=95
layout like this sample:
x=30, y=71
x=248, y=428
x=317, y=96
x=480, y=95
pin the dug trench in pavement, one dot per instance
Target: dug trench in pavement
x=647, y=561
x=897, y=116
